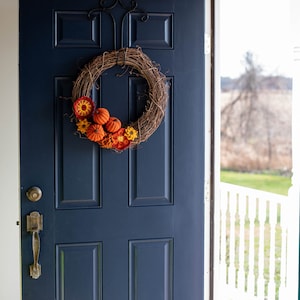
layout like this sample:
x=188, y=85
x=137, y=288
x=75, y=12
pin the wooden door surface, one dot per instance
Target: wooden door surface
x=124, y=225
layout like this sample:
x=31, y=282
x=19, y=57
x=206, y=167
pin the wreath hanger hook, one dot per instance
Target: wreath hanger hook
x=107, y=8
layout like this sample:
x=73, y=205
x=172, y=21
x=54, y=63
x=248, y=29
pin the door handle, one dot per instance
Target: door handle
x=35, y=225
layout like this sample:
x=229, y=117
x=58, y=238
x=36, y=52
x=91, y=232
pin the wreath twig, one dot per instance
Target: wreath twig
x=135, y=58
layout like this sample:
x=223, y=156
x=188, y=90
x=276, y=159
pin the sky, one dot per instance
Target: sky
x=262, y=27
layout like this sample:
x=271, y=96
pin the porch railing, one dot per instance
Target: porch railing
x=253, y=244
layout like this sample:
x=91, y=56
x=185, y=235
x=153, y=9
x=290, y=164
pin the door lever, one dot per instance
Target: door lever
x=35, y=225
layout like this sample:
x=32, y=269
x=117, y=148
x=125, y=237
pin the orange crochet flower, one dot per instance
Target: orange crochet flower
x=83, y=107
x=107, y=142
x=120, y=141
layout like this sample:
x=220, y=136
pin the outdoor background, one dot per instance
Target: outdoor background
x=256, y=93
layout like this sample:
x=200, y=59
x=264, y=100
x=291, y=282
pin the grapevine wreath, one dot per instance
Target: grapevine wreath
x=97, y=124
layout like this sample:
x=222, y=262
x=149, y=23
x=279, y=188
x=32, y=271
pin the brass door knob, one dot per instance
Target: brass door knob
x=34, y=194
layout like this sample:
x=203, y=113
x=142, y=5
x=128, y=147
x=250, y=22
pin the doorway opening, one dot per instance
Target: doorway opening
x=256, y=206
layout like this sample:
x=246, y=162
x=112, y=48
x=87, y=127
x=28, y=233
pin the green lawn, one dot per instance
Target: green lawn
x=266, y=182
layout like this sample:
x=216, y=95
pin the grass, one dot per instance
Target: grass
x=266, y=182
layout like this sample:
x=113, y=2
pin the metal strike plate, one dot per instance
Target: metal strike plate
x=34, y=222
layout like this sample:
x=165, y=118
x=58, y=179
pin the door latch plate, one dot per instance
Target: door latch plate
x=34, y=222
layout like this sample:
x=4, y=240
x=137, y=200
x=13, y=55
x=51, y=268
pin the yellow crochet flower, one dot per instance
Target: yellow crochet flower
x=83, y=125
x=131, y=133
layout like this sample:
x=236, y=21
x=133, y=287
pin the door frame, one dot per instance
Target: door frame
x=10, y=262
x=10, y=223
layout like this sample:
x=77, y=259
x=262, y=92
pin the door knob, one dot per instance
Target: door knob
x=34, y=194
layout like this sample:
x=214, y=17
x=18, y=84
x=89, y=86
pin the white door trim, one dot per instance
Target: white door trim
x=10, y=271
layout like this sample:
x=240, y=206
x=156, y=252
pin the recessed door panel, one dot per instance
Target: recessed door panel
x=78, y=181
x=151, y=164
x=153, y=30
x=151, y=269
x=74, y=29
x=79, y=271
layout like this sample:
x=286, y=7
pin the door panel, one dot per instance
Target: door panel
x=116, y=226
x=79, y=271
x=153, y=257
x=156, y=33
x=78, y=183
x=144, y=188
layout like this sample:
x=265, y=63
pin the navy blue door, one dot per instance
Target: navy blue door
x=115, y=226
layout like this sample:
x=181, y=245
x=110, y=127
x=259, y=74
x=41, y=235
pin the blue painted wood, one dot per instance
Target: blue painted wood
x=156, y=33
x=151, y=269
x=79, y=271
x=144, y=188
x=116, y=218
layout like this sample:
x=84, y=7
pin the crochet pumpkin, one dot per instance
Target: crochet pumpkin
x=101, y=115
x=95, y=133
x=113, y=124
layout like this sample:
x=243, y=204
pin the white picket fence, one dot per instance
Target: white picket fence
x=252, y=244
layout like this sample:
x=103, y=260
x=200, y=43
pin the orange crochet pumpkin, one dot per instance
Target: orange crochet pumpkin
x=113, y=124
x=101, y=115
x=95, y=133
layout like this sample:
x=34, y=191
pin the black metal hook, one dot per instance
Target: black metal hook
x=104, y=8
x=128, y=9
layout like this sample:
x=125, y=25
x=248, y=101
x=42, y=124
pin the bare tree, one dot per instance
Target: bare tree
x=238, y=113
x=248, y=118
